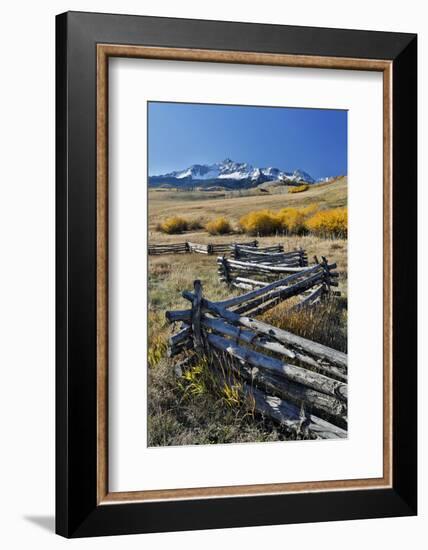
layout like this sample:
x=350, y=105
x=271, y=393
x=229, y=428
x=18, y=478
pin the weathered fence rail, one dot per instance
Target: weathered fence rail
x=186, y=247
x=177, y=248
x=248, y=273
x=295, y=381
x=271, y=255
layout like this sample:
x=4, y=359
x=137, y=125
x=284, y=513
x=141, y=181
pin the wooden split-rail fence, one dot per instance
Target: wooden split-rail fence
x=190, y=247
x=297, y=382
x=271, y=255
x=247, y=274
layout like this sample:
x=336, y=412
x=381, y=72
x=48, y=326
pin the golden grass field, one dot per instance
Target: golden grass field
x=189, y=411
x=205, y=205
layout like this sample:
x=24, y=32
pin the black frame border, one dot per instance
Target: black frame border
x=77, y=512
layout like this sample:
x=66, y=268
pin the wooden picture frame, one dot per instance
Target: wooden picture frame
x=85, y=42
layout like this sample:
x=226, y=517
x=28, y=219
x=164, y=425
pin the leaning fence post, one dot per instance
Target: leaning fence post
x=225, y=268
x=303, y=258
x=196, y=316
x=326, y=279
x=304, y=421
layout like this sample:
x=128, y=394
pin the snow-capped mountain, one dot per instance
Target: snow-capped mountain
x=228, y=174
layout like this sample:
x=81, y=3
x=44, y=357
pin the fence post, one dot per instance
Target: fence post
x=304, y=421
x=303, y=258
x=210, y=249
x=196, y=316
x=225, y=269
x=186, y=246
x=326, y=275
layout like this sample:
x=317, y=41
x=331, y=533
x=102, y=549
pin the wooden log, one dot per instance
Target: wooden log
x=196, y=316
x=260, y=306
x=261, y=252
x=272, y=261
x=266, y=306
x=257, y=253
x=309, y=299
x=300, y=375
x=221, y=327
x=283, y=292
x=291, y=262
x=273, y=248
x=267, y=288
x=167, y=245
x=178, y=315
x=225, y=269
x=326, y=407
x=171, y=245
x=251, y=304
x=241, y=286
x=290, y=416
x=179, y=348
x=335, y=357
x=322, y=364
x=180, y=336
x=264, y=267
x=253, y=282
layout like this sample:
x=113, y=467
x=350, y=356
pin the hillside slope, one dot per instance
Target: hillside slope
x=163, y=204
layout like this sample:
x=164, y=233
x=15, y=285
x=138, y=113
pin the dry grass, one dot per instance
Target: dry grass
x=219, y=226
x=193, y=205
x=190, y=412
x=198, y=409
x=175, y=224
x=325, y=323
x=298, y=189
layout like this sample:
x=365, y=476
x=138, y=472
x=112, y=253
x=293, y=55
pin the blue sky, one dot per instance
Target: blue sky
x=182, y=134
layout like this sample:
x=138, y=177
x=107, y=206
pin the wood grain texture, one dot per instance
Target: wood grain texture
x=102, y=275
x=104, y=51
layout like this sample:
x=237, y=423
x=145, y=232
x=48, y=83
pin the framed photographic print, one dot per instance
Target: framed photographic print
x=236, y=274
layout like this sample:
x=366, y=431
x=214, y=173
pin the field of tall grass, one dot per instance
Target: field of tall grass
x=199, y=409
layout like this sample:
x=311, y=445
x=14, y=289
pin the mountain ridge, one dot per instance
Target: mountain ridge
x=229, y=174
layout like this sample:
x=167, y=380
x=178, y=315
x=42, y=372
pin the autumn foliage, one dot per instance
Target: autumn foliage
x=260, y=222
x=329, y=223
x=219, y=226
x=298, y=189
x=296, y=221
x=172, y=225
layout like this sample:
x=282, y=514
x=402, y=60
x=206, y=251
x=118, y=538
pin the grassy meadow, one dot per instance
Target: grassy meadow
x=196, y=409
